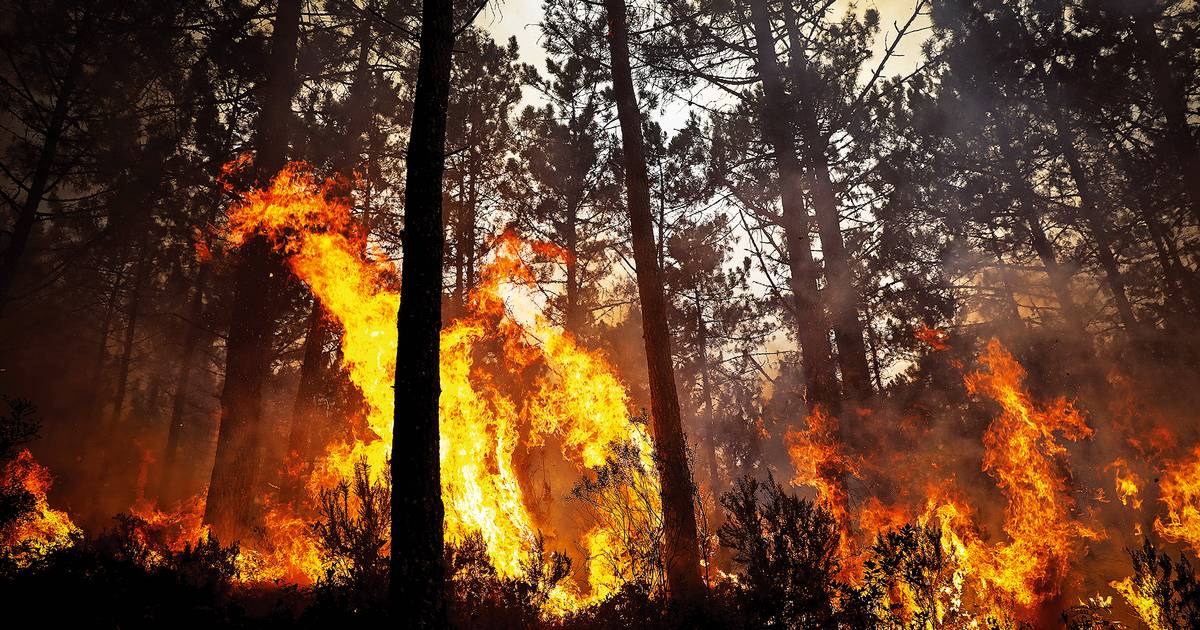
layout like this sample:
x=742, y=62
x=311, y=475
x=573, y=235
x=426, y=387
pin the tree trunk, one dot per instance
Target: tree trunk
x=1095, y=221
x=679, y=515
x=312, y=371
x=1059, y=276
x=313, y=366
x=417, y=510
x=812, y=328
x=183, y=380
x=10, y=259
x=133, y=310
x=710, y=428
x=841, y=289
x=231, y=507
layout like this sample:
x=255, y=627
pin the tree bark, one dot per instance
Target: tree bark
x=183, y=381
x=710, y=428
x=841, y=288
x=813, y=328
x=679, y=516
x=417, y=511
x=133, y=311
x=231, y=507
x=314, y=364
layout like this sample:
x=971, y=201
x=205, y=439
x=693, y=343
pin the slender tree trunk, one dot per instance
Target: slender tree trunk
x=1059, y=276
x=679, y=515
x=710, y=428
x=312, y=370
x=1171, y=97
x=417, y=510
x=841, y=288
x=10, y=258
x=1096, y=223
x=231, y=507
x=183, y=381
x=132, y=312
x=813, y=328
x=313, y=366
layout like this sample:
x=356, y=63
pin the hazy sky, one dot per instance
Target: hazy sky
x=505, y=18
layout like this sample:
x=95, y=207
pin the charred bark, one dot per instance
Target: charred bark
x=417, y=510
x=812, y=325
x=231, y=507
x=679, y=515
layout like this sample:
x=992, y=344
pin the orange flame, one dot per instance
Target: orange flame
x=1179, y=486
x=1026, y=459
x=42, y=529
x=575, y=396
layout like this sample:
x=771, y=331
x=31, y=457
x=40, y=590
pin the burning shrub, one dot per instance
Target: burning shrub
x=1164, y=593
x=353, y=530
x=788, y=550
x=481, y=598
x=17, y=428
x=624, y=503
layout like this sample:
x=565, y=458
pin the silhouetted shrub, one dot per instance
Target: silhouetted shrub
x=1165, y=593
x=481, y=598
x=353, y=530
x=787, y=549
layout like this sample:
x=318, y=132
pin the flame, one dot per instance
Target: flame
x=1128, y=483
x=1136, y=593
x=1025, y=458
x=1179, y=487
x=820, y=464
x=574, y=396
x=42, y=529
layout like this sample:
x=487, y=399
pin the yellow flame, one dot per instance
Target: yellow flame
x=575, y=396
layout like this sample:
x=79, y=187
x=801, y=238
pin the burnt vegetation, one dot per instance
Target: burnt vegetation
x=565, y=314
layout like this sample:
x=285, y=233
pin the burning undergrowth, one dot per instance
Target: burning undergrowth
x=974, y=513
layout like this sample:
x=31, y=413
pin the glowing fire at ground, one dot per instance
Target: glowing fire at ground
x=574, y=397
x=1180, y=490
x=42, y=529
x=1023, y=454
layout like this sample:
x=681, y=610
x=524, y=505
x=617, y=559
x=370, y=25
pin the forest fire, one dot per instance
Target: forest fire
x=573, y=396
x=560, y=315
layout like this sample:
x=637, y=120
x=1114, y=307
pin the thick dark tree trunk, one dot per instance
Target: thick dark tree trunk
x=679, y=514
x=10, y=258
x=841, y=288
x=231, y=507
x=417, y=510
x=812, y=325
